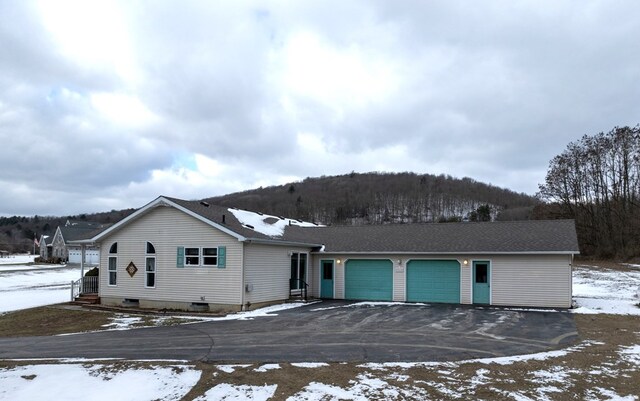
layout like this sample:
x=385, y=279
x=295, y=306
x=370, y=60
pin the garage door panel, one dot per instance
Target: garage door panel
x=433, y=281
x=369, y=280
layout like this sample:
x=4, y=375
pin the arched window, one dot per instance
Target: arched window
x=114, y=248
x=150, y=266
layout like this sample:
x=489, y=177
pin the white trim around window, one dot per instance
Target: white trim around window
x=112, y=271
x=200, y=256
x=150, y=272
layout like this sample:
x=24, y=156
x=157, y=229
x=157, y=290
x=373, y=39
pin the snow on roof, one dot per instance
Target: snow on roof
x=258, y=222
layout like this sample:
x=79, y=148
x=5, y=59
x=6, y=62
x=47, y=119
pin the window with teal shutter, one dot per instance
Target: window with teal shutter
x=222, y=257
x=180, y=258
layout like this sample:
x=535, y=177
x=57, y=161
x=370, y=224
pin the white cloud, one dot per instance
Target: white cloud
x=108, y=104
x=122, y=109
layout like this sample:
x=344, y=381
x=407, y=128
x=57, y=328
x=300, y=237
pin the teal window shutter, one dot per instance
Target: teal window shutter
x=222, y=257
x=180, y=258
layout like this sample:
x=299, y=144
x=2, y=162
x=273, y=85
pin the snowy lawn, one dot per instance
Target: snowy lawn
x=23, y=287
x=83, y=382
x=606, y=290
x=17, y=259
x=604, y=365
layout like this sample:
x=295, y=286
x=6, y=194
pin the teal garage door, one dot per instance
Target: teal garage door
x=368, y=280
x=433, y=281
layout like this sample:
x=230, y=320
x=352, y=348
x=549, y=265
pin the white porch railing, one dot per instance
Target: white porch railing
x=84, y=285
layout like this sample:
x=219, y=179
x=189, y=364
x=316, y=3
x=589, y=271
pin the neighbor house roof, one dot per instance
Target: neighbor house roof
x=531, y=236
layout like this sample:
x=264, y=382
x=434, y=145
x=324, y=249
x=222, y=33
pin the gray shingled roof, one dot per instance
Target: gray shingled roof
x=531, y=236
x=73, y=233
x=488, y=237
x=214, y=214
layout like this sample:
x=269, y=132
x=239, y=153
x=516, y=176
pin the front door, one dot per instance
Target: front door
x=481, y=283
x=326, y=282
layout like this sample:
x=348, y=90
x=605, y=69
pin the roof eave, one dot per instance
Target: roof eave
x=447, y=252
x=280, y=242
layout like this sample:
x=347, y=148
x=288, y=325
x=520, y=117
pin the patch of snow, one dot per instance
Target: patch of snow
x=230, y=368
x=54, y=382
x=249, y=315
x=18, y=259
x=257, y=221
x=609, y=291
x=631, y=354
x=503, y=360
x=122, y=322
x=309, y=364
x=370, y=303
x=266, y=367
x=230, y=392
x=610, y=394
x=363, y=388
x=518, y=396
x=486, y=326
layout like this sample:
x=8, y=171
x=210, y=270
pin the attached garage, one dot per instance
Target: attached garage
x=433, y=281
x=369, y=279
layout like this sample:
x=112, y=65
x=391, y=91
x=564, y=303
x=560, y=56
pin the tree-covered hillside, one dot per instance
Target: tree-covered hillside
x=380, y=198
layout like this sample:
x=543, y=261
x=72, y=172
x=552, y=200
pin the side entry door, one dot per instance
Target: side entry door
x=326, y=279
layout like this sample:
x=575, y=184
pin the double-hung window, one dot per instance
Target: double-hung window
x=192, y=256
x=150, y=267
x=202, y=256
x=209, y=256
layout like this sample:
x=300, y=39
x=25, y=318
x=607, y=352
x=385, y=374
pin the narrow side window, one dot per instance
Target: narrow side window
x=150, y=266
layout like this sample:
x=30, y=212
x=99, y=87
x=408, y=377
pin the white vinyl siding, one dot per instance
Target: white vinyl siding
x=515, y=280
x=399, y=279
x=534, y=280
x=168, y=229
x=268, y=270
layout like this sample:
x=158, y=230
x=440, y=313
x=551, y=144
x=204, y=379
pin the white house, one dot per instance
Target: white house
x=179, y=254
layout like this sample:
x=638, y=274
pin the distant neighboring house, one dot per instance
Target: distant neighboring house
x=73, y=231
x=4, y=254
x=45, y=246
x=173, y=253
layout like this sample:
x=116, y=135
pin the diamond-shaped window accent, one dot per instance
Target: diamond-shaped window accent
x=131, y=269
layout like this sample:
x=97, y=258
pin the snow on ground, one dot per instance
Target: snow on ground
x=272, y=229
x=18, y=259
x=83, y=382
x=606, y=291
x=267, y=366
x=595, y=291
x=24, y=289
x=230, y=392
x=369, y=303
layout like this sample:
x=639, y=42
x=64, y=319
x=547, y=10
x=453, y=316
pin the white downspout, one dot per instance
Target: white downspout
x=242, y=283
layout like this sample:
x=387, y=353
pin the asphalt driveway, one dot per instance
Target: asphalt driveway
x=324, y=332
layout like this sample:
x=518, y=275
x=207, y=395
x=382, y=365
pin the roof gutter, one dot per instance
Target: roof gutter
x=447, y=253
x=279, y=242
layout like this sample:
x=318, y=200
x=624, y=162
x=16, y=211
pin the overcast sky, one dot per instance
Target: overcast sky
x=106, y=105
